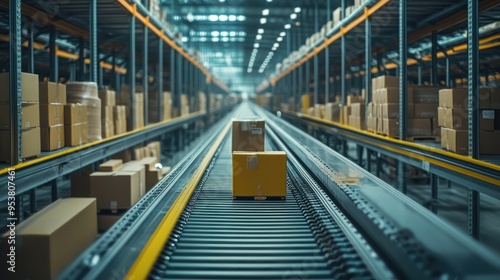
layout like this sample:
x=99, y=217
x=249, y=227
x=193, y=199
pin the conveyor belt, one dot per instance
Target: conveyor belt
x=218, y=237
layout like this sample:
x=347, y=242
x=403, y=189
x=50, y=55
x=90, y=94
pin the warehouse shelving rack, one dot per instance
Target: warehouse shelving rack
x=342, y=51
x=103, y=35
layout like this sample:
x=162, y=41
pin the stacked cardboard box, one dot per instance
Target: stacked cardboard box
x=202, y=102
x=184, y=105
x=52, y=100
x=384, y=112
x=108, y=101
x=138, y=106
x=75, y=124
x=256, y=173
x=86, y=93
x=332, y=111
x=453, y=120
x=52, y=238
x=120, y=119
x=358, y=115
x=152, y=111
x=30, y=116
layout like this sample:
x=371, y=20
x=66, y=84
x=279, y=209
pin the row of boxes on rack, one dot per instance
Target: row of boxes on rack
x=257, y=173
x=48, y=122
x=453, y=119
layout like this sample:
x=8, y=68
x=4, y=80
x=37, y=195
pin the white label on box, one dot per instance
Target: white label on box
x=256, y=130
x=245, y=126
x=252, y=162
x=113, y=205
x=489, y=114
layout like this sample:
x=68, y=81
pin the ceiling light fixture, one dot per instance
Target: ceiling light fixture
x=287, y=26
x=276, y=45
x=297, y=10
x=260, y=31
x=283, y=34
x=265, y=12
x=232, y=18
x=279, y=39
x=293, y=16
x=263, y=20
x=223, y=18
x=213, y=18
x=258, y=37
x=256, y=45
x=215, y=33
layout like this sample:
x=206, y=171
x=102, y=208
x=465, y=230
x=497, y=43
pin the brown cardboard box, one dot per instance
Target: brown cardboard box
x=391, y=111
x=80, y=182
x=124, y=155
x=149, y=162
x=352, y=121
x=426, y=94
x=495, y=98
x=52, y=93
x=30, y=116
x=488, y=142
x=115, y=190
x=31, y=143
x=155, y=150
x=484, y=98
x=134, y=166
x=453, y=98
x=351, y=99
x=419, y=127
x=75, y=113
x=441, y=116
x=107, y=129
x=153, y=175
x=52, y=137
x=248, y=135
x=110, y=165
x=108, y=97
x=387, y=82
x=389, y=95
x=107, y=113
x=358, y=110
x=425, y=110
x=167, y=105
x=106, y=221
x=52, y=238
x=444, y=137
x=456, y=118
x=75, y=134
x=436, y=130
x=390, y=127
x=457, y=141
x=51, y=114
x=487, y=120
x=259, y=174
x=380, y=125
x=359, y=122
x=29, y=87
x=346, y=114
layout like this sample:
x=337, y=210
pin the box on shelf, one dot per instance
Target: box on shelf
x=425, y=94
x=484, y=98
x=51, y=92
x=487, y=120
x=453, y=98
x=30, y=115
x=30, y=141
x=425, y=110
x=110, y=165
x=259, y=174
x=115, y=190
x=133, y=166
x=495, y=98
x=248, y=134
x=387, y=82
x=53, y=237
x=80, y=182
x=52, y=137
x=75, y=113
x=419, y=127
x=457, y=141
x=456, y=118
x=108, y=97
x=391, y=111
x=51, y=114
x=29, y=88
x=75, y=134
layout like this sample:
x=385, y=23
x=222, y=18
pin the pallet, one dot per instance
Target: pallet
x=259, y=198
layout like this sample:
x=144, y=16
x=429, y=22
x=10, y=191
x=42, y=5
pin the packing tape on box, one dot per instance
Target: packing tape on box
x=252, y=162
x=245, y=126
